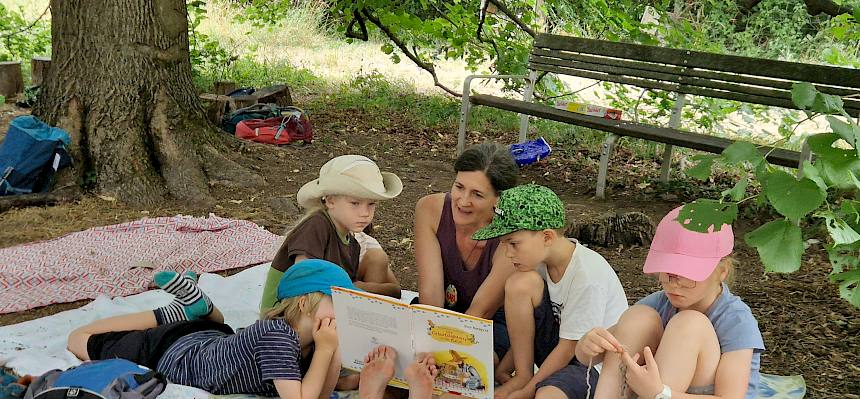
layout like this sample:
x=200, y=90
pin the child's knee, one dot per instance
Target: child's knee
x=641, y=318
x=691, y=321
x=523, y=283
x=550, y=392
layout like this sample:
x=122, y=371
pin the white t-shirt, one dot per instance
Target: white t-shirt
x=588, y=295
x=365, y=242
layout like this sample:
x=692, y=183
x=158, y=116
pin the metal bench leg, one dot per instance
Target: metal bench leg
x=527, y=97
x=605, y=153
x=674, y=123
x=464, y=115
x=667, y=163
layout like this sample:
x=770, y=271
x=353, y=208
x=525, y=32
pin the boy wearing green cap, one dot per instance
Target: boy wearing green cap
x=561, y=290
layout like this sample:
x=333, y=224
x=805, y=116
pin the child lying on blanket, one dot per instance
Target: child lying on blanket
x=694, y=337
x=188, y=342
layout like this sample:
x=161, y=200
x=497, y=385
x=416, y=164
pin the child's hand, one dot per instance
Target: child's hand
x=325, y=333
x=644, y=380
x=597, y=341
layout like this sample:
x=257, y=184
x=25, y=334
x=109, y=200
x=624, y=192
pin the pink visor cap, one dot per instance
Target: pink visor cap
x=686, y=253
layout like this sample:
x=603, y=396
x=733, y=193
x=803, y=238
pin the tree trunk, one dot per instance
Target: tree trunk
x=120, y=84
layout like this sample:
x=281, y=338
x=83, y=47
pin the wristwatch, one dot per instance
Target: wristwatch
x=666, y=393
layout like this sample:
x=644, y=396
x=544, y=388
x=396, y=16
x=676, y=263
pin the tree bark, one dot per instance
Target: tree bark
x=120, y=84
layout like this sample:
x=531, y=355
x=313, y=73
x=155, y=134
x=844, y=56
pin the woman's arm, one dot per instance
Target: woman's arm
x=375, y=275
x=491, y=295
x=428, y=253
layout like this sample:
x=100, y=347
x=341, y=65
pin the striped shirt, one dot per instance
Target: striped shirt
x=247, y=362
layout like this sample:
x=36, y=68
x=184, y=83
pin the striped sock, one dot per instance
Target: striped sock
x=190, y=303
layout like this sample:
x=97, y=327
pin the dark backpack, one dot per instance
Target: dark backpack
x=30, y=155
x=99, y=379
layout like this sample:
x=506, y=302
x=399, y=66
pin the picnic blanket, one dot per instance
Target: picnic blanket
x=120, y=260
x=37, y=346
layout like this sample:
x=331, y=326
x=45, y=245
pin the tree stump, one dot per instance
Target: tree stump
x=243, y=101
x=611, y=230
x=223, y=87
x=11, y=79
x=216, y=106
x=40, y=67
x=277, y=94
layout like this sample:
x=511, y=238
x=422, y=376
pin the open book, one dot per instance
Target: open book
x=462, y=345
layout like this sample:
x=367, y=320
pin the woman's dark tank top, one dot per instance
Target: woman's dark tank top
x=460, y=284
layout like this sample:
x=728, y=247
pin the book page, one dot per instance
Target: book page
x=365, y=321
x=462, y=346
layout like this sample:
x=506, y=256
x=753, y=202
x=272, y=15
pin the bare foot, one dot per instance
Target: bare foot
x=420, y=376
x=378, y=370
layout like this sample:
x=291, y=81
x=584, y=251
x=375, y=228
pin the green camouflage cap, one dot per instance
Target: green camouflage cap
x=527, y=207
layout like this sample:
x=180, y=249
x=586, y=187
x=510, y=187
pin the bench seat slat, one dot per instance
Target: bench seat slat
x=563, y=58
x=793, y=71
x=676, y=137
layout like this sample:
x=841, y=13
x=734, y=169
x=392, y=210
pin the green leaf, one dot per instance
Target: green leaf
x=811, y=172
x=839, y=230
x=701, y=214
x=847, y=131
x=827, y=104
x=741, y=151
x=737, y=192
x=793, y=198
x=779, y=244
x=843, y=257
x=851, y=209
x=803, y=94
x=849, y=286
x=702, y=169
x=387, y=48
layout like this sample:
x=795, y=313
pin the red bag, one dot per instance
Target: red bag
x=291, y=126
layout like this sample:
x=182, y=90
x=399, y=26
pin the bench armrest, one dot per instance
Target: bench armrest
x=467, y=82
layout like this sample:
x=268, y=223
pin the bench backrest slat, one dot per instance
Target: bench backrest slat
x=539, y=55
x=728, y=77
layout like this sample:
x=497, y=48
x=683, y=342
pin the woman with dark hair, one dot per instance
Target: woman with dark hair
x=455, y=271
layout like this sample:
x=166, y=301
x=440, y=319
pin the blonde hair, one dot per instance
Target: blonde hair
x=288, y=308
x=729, y=263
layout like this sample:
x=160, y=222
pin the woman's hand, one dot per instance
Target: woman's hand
x=325, y=334
x=596, y=342
x=644, y=380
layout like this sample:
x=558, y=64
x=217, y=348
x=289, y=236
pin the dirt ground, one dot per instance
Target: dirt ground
x=807, y=329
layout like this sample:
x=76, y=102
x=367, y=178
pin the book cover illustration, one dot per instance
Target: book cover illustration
x=461, y=345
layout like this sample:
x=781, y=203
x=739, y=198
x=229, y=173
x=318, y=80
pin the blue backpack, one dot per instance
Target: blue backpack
x=99, y=379
x=30, y=155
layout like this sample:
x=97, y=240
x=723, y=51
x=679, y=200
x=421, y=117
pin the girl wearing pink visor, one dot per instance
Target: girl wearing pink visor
x=692, y=339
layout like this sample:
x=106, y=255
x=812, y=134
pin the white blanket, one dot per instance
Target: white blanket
x=37, y=346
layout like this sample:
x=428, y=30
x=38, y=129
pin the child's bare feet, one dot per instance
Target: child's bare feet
x=378, y=370
x=420, y=376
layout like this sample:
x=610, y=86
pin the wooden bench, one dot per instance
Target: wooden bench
x=684, y=72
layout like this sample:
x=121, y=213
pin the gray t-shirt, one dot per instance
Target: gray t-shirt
x=734, y=323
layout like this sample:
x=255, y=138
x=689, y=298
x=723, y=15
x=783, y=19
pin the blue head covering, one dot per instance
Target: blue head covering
x=312, y=275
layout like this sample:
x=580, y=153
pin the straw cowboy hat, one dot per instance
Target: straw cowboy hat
x=352, y=175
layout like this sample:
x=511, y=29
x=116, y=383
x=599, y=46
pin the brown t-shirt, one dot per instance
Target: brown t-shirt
x=317, y=238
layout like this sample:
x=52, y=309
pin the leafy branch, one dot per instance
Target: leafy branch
x=835, y=174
